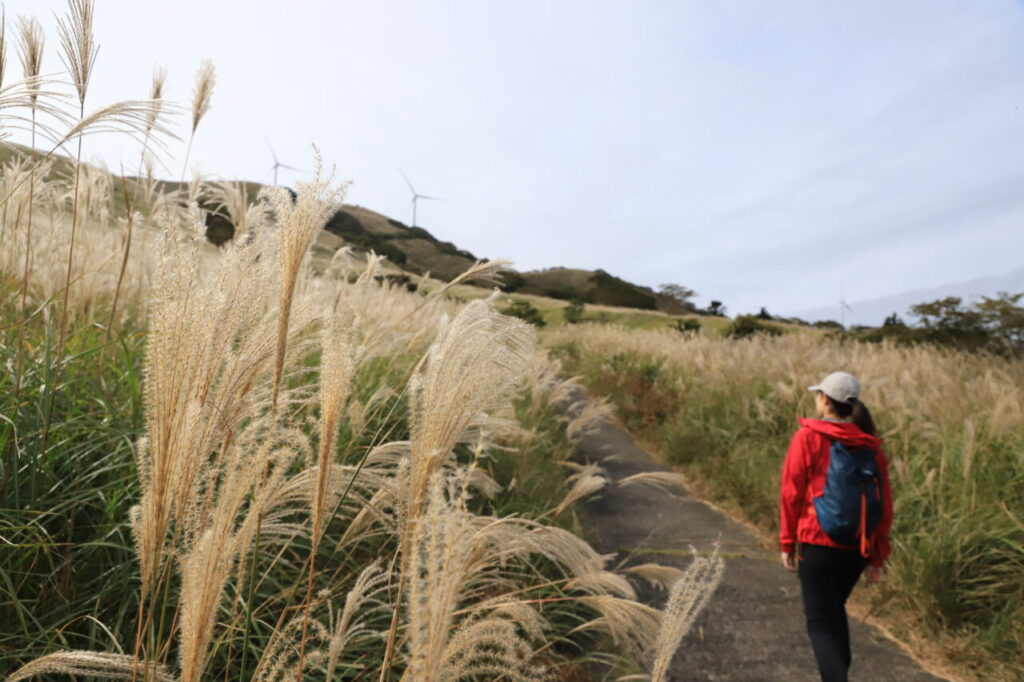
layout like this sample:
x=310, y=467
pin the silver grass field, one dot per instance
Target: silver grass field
x=723, y=411
x=265, y=462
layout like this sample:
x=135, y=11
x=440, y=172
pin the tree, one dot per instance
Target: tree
x=894, y=320
x=1004, y=319
x=764, y=314
x=526, y=312
x=947, y=322
x=717, y=308
x=574, y=311
x=995, y=324
x=679, y=293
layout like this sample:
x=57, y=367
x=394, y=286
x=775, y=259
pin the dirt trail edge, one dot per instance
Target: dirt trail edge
x=753, y=628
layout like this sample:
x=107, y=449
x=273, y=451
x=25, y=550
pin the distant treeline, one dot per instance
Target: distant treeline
x=991, y=324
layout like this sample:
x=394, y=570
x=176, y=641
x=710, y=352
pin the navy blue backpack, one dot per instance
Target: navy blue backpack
x=851, y=507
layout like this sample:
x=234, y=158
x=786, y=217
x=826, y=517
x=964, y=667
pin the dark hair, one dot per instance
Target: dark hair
x=856, y=411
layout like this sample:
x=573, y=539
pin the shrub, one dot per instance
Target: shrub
x=748, y=325
x=687, y=325
x=511, y=281
x=574, y=311
x=525, y=311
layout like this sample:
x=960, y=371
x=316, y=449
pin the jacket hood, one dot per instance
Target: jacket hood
x=844, y=432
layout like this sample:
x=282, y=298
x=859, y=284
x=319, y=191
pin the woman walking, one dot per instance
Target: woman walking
x=836, y=505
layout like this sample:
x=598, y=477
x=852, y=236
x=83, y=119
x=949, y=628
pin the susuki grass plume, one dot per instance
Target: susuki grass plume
x=350, y=623
x=3, y=45
x=231, y=200
x=197, y=399
x=156, y=94
x=144, y=173
x=687, y=598
x=476, y=361
x=451, y=556
x=78, y=45
x=86, y=663
x=202, y=93
x=298, y=222
x=30, y=51
x=338, y=366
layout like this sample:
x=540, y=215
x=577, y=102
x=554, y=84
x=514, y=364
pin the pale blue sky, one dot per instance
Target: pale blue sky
x=760, y=152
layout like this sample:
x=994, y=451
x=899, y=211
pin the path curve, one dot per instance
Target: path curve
x=753, y=628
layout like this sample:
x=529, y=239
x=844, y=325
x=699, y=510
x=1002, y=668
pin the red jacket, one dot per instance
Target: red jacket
x=803, y=479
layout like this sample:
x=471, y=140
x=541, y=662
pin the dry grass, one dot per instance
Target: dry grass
x=302, y=426
x=202, y=93
x=953, y=430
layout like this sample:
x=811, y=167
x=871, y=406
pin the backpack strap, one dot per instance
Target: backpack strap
x=865, y=546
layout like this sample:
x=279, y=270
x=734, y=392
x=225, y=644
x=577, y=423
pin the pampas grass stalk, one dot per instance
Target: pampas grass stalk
x=3, y=44
x=338, y=367
x=202, y=95
x=448, y=555
x=78, y=51
x=78, y=46
x=87, y=663
x=687, y=598
x=30, y=44
x=475, y=361
x=129, y=228
x=298, y=223
x=156, y=95
x=30, y=51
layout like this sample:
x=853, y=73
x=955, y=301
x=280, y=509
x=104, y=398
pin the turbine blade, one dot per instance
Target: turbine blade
x=407, y=181
x=424, y=196
x=271, y=148
x=284, y=165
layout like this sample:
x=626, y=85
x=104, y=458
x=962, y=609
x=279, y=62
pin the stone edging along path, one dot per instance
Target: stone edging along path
x=753, y=628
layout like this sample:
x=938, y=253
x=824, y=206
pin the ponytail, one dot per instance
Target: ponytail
x=855, y=411
x=861, y=416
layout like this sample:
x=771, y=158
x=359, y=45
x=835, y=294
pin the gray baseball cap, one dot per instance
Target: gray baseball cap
x=841, y=386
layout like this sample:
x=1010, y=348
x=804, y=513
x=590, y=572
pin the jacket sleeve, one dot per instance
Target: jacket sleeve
x=792, y=491
x=880, y=548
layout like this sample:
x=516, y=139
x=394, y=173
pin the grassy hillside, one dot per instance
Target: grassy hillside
x=590, y=286
x=412, y=249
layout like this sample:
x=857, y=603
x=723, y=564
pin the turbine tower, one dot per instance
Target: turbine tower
x=416, y=196
x=277, y=163
x=843, y=307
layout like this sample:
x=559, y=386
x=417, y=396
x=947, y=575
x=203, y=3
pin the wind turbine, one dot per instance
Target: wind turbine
x=416, y=196
x=277, y=163
x=843, y=307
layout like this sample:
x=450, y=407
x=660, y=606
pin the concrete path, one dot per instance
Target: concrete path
x=753, y=629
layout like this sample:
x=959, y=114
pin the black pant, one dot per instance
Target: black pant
x=827, y=576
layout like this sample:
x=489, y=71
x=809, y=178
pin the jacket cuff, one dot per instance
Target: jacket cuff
x=878, y=562
x=788, y=547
